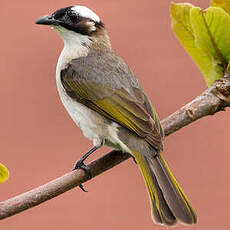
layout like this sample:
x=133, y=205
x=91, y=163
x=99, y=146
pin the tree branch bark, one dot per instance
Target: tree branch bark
x=212, y=100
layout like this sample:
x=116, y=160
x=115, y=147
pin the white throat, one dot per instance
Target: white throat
x=75, y=46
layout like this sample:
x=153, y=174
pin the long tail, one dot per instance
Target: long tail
x=168, y=202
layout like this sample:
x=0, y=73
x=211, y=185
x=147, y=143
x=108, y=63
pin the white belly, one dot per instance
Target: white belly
x=93, y=125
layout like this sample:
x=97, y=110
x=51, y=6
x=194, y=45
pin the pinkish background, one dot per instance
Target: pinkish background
x=40, y=142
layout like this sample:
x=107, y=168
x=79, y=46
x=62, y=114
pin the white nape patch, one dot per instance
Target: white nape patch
x=86, y=13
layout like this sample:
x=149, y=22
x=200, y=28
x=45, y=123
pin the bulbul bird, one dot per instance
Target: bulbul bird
x=104, y=98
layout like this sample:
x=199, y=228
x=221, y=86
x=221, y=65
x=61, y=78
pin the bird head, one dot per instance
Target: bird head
x=75, y=21
x=78, y=19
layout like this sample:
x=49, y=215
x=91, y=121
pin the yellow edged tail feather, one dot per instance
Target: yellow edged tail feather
x=168, y=202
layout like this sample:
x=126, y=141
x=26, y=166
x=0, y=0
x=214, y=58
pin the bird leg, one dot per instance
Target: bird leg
x=80, y=164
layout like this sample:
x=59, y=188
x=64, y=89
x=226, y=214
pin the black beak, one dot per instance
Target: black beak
x=47, y=20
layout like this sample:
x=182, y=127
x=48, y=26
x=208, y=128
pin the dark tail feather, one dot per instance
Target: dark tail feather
x=161, y=212
x=168, y=201
x=173, y=194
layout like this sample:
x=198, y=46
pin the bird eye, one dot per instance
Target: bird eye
x=72, y=16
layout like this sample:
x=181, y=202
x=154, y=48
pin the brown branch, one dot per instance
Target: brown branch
x=214, y=99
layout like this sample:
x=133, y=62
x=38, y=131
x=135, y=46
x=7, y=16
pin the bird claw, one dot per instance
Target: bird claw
x=82, y=188
x=81, y=165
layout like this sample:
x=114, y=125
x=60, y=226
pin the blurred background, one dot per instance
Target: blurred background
x=39, y=141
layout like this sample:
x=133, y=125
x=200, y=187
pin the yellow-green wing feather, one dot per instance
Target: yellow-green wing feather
x=113, y=91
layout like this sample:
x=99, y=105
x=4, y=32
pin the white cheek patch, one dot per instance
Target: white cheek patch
x=86, y=13
x=92, y=26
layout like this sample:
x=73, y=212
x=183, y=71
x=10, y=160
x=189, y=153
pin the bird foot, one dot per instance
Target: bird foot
x=81, y=165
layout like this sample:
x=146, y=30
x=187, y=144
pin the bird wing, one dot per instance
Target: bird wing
x=104, y=83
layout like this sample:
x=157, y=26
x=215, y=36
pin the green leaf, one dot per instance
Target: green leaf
x=4, y=173
x=205, y=36
x=224, y=4
x=204, y=23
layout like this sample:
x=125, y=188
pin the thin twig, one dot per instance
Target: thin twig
x=214, y=99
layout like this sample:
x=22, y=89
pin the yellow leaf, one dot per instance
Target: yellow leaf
x=205, y=36
x=4, y=173
x=224, y=4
